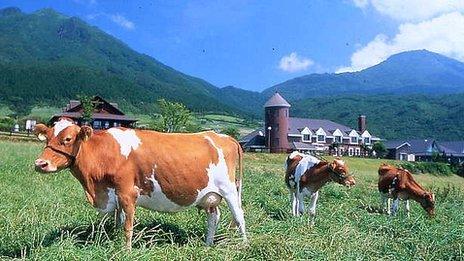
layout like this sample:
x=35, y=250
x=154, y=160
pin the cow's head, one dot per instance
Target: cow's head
x=62, y=144
x=428, y=203
x=339, y=173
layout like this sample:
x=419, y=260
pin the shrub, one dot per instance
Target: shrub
x=6, y=124
x=437, y=168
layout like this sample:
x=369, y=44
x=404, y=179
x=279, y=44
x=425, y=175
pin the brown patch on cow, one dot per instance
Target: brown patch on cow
x=180, y=170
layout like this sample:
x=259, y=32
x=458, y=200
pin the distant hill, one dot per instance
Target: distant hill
x=49, y=58
x=409, y=72
x=392, y=116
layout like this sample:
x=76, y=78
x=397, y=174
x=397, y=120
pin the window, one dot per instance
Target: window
x=354, y=139
x=350, y=152
x=306, y=137
x=96, y=124
x=367, y=140
x=320, y=138
x=338, y=139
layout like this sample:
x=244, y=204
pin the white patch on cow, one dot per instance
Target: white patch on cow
x=127, y=140
x=60, y=126
x=296, y=153
x=217, y=174
x=111, y=204
x=157, y=200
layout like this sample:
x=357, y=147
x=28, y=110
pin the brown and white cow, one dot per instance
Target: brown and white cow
x=305, y=175
x=397, y=183
x=121, y=168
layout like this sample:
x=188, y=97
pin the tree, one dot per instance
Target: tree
x=173, y=117
x=231, y=131
x=88, y=107
x=379, y=149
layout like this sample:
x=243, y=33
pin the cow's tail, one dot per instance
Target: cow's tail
x=239, y=179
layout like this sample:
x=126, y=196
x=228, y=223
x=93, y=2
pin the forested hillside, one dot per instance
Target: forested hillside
x=392, y=116
x=49, y=58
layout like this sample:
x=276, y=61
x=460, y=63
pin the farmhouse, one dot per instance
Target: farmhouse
x=283, y=133
x=425, y=150
x=105, y=114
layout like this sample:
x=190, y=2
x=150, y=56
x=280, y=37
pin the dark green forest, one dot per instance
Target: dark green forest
x=392, y=116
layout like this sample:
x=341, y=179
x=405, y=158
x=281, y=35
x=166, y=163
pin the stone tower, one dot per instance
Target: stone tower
x=276, y=113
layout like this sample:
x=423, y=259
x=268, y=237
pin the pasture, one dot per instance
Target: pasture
x=47, y=217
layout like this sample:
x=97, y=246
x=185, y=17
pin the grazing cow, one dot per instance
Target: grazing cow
x=397, y=183
x=121, y=168
x=305, y=175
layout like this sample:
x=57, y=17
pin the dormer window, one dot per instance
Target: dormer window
x=306, y=137
x=354, y=139
x=367, y=140
x=320, y=135
x=338, y=139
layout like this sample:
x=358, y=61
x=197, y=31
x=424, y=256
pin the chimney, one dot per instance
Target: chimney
x=362, y=123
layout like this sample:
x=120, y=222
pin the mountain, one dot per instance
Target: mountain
x=408, y=72
x=49, y=58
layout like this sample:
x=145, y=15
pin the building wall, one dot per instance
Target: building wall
x=277, y=119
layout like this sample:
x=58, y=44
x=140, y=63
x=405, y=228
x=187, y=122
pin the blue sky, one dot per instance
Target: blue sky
x=256, y=44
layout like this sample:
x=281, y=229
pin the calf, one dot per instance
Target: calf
x=121, y=168
x=397, y=183
x=305, y=175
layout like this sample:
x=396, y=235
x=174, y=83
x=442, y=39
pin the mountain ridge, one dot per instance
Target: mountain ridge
x=417, y=71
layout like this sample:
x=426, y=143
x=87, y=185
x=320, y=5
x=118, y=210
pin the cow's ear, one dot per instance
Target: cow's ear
x=40, y=130
x=85, y=133
x=333, y=165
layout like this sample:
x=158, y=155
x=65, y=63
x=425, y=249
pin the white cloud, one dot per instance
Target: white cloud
x=443, y=34
x=115, y=18
x=294, y=63
x=412, y=10
x=122, y=21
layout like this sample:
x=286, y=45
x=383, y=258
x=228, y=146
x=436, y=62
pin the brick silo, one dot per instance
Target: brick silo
x=276, y=113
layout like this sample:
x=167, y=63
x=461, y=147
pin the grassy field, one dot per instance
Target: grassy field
x=46, y=217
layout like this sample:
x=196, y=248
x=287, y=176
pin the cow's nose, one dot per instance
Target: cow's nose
x=40, y=163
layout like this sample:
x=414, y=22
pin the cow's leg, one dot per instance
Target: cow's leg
x=394, y=207
x=385, y=202
x=300, y=197
x=119, y=217
x=213, y=220
x=231, y=198
x=127, y=201
x=312, y=207
x=407, y=207
x=294, y=201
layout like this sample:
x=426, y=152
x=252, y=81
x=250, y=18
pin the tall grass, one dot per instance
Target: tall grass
x=46, y=217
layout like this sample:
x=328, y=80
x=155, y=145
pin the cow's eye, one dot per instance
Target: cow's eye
x=68, y=139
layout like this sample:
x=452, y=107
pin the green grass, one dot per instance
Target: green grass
x=46, y=217
x=43, y=112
